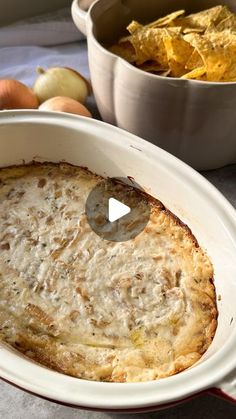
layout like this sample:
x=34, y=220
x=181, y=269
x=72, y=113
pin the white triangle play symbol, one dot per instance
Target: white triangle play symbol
x=116, y=209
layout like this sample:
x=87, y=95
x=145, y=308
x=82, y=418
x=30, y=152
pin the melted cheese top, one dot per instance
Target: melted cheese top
x=95, y=309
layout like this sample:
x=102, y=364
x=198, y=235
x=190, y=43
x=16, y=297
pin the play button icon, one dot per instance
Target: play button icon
x=117, y=209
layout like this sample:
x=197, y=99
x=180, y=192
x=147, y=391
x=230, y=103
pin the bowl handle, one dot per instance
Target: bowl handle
x=79, y=10
x=227, y=388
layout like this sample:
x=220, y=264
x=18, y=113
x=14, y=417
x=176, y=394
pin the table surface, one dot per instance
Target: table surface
x=16, y=404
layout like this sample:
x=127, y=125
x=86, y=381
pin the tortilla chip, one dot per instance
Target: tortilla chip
x=166, y=20
x=196, y=30
x=196, y=74
x=224, y=14
x=218, y=52
x=224, y=45
x=134, y=26
x=227, y=24
x=195, y=61
x=178, y=53
x=124, y=50
x=202, y=20
x=220, y=25
x=149, y=46
x=165, y=73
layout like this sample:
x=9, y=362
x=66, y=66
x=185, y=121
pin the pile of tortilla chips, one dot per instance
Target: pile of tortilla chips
x=199, y=46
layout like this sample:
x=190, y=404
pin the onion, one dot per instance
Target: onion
x=61, y=81
x=15, y=95
x=65, y=104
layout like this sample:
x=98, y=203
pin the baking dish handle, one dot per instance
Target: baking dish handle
x=227, y=388
x=79, y=10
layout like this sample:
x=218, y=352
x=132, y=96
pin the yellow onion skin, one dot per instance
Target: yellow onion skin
x=65, y=104
x=15, y=95
x=61, y=81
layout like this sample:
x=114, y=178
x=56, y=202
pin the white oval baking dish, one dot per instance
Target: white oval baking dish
x=109, y=151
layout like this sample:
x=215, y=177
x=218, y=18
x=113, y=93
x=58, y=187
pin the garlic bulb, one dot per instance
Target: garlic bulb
x=65, y=104
x=15, y=95
x=61, y=81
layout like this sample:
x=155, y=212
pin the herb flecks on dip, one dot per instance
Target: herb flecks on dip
x=94, y=309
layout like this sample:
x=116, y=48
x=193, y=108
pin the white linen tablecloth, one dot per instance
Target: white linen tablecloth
x=20, y=62
x=46, y=40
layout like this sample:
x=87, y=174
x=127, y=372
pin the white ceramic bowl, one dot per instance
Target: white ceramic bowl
x=109, y=151
x=194, y=120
